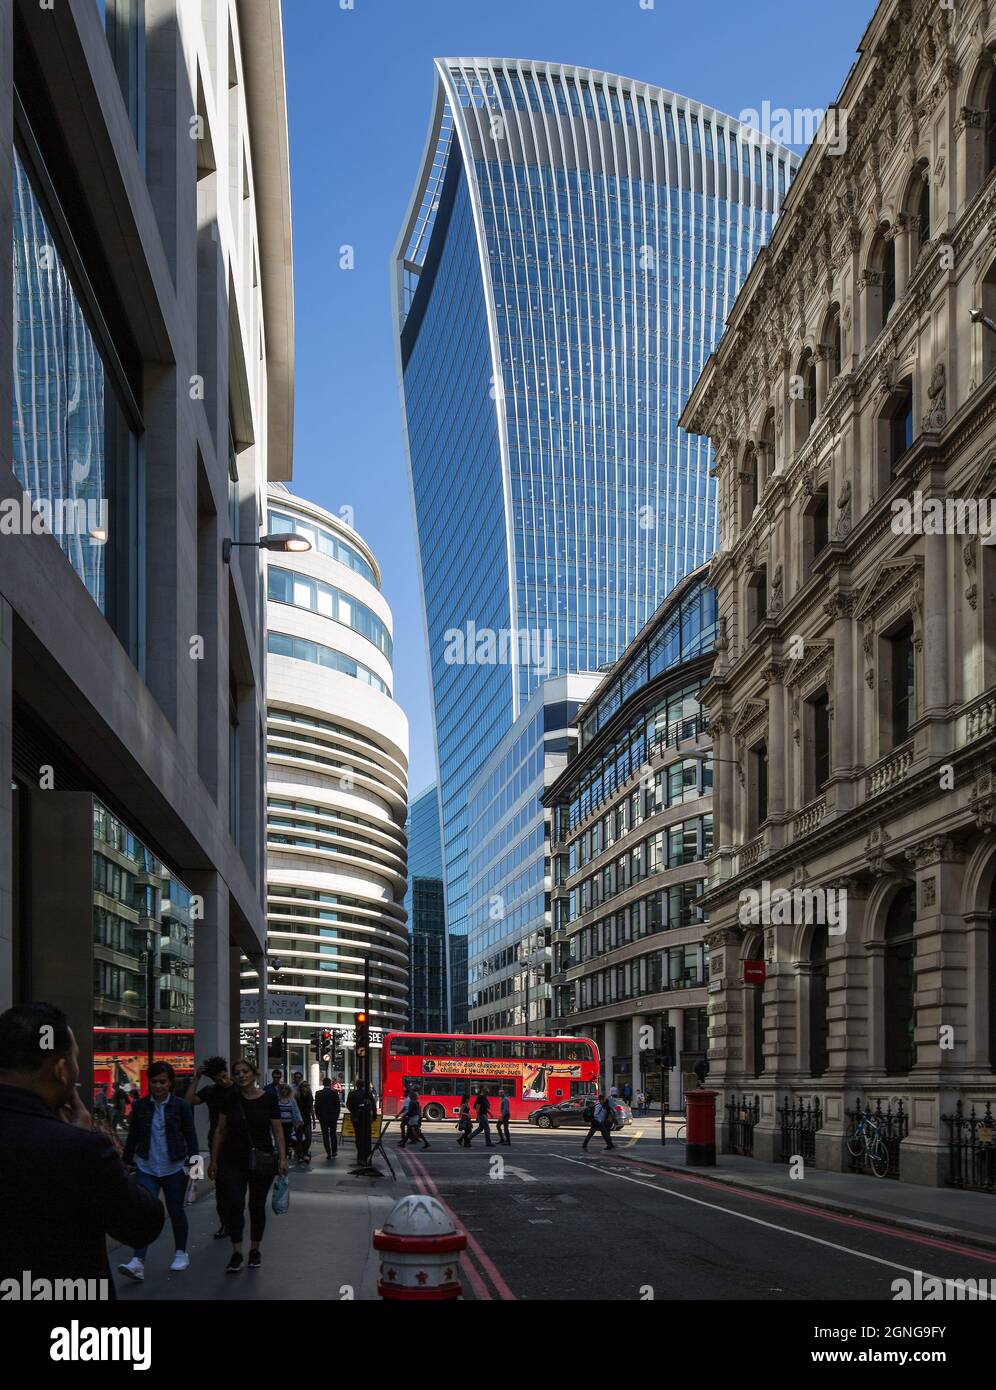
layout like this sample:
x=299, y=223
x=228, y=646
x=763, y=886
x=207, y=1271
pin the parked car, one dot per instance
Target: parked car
x=571, y=1112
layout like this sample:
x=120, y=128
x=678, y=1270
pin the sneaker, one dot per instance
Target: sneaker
x=220, y=1233
x=255, y=1259
x=181, y=1260
x=235, y=1263
x=135, y=1269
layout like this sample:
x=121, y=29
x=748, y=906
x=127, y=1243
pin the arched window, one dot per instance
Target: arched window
x=749, y=491
x=832, y=341
x=923, y=215
x=898, y=1010
x=819, y=1024
x=880, y=289
x=990, y=128
x=987, y=298
x=805, y=398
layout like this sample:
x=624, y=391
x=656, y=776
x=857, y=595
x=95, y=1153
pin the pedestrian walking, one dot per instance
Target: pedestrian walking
x=276, y=1081
x=214, y=1097
x=290, y=1116
x=65, y=1188
x=305, y=1098
x=327, y=1108
x=465, y=1124
x=627, y=1094
x=249, y=1151
x=162, y=1139
x=483, y=1107
x=599, y=1117
x=403, y=1119
x=504, y=1115
x=414, y=1121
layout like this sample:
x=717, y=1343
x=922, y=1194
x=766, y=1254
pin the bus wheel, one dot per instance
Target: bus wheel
x=543, y=1122
x=435, y=1112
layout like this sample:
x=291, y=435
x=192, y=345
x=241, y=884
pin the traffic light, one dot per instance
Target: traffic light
x=325, y=1045
x=361, y=1024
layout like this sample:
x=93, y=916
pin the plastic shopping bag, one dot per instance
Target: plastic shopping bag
x=190, y=1196
x=281, y=1196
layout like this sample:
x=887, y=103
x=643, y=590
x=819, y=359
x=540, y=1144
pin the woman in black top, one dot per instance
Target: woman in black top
x=247, y=1153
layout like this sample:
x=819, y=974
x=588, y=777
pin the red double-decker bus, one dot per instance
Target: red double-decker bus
x=444, y=1067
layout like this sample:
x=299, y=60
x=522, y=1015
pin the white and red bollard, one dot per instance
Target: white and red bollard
x=420, y=1249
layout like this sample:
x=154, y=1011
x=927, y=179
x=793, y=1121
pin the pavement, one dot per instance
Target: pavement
x=546, y=1220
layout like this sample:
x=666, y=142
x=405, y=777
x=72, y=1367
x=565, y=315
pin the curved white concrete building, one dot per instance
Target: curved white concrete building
x=337, y=786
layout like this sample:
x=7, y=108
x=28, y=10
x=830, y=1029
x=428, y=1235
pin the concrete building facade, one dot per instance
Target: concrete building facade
x=148, y=347
x=631, y=830
x=336, y=791
x=853, y=701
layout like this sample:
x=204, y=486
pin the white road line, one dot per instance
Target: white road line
x=742, y=1216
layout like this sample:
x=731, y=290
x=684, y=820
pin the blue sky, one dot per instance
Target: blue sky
x=359, y=88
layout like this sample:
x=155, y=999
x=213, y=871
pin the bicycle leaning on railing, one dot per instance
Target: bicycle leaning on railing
x=864, y=1140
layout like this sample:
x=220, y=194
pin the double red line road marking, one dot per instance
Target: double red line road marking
x=476, y=1277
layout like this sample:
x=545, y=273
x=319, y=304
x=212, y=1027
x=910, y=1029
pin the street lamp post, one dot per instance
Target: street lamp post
x=980, y=316
x=284, y=542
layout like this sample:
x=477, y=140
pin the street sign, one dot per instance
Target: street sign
x=755, y=972
x=280, y=1008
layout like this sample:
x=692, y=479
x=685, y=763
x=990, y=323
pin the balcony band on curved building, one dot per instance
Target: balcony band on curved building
x=337, y=793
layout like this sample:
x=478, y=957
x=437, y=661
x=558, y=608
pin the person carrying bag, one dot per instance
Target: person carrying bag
x=247, y=1154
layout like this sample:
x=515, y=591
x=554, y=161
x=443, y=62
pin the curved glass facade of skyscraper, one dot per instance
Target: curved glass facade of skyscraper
x=571, y=250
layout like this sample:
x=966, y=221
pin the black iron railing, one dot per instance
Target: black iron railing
x=971, y=1148
x=799, y=1124
x=742, y=1116
x=889, y=1126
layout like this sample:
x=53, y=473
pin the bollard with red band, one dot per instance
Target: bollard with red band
x=700, y=1128
x=420, y=1250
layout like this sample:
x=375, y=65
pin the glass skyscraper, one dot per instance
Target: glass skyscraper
x=424, y=904
x=571, y=250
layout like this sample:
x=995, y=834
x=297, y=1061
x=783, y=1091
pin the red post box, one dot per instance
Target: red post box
x=700, y=1128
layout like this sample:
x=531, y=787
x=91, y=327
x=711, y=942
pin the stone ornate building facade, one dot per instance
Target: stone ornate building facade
x=853, y=702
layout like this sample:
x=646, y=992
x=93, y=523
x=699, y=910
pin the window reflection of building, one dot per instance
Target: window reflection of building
x=143, y=959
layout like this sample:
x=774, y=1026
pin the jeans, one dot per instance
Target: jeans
x=501, y=1125
x=233, y=1182
x=483, y=1125
x=174, y=1189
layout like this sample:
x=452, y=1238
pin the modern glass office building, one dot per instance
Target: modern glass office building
x=572, y=246
x=425, y=905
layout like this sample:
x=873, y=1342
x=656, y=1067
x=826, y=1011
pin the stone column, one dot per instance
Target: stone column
x=822, y=359
x=899, y=233
x=723, y=777
x=608, y=1052
x=969, y=153
x=7, y=925
x=847, y=688
x=978, y=1040
x=934, y=650
x=774, y=674
x=212, y=959
x=848, y=1020
x=636, y=1023
x=941, y=982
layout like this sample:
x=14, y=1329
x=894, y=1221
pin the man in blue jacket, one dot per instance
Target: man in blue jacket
x=65, y=1189
x=162, y=1139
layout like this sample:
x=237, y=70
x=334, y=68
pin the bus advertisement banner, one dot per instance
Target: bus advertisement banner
x=534, y=1075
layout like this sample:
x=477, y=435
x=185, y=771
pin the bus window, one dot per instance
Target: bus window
x=461, y=1048
x=438, y=1047
x=484, y=1049
x=403, y=1047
